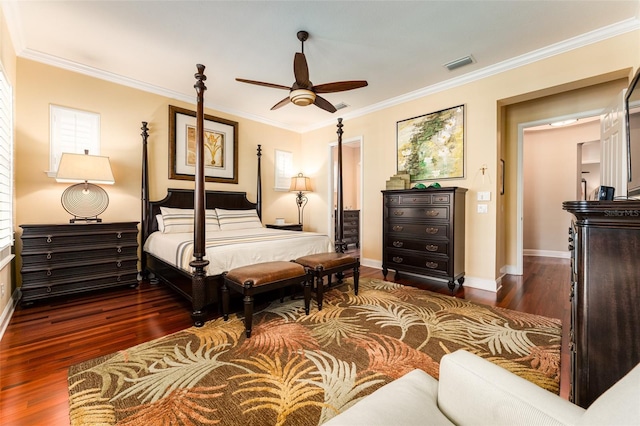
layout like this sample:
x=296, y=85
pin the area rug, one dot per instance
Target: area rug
x=299, y=369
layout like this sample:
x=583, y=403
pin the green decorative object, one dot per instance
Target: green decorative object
x=419, y=186
x=434, y=185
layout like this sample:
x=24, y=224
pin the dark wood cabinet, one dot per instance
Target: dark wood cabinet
x=605, y=295
x=350, y=227
x=79, y=257
x=423, y=232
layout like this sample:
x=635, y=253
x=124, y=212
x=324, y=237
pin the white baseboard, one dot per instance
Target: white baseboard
x=7, y=313
x=472, y=282
x=547, y=253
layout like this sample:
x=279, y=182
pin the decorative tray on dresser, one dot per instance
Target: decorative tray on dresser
x=604, y=240
x=423, y=232
x=78, y=257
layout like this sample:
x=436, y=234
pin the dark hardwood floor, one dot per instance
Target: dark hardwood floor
x=43, y=340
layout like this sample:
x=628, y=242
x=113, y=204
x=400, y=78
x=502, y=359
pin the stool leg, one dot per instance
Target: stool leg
x=307, y=293
x=319, y=287
x=356, y=278
x=248, y=307
x=225, y=301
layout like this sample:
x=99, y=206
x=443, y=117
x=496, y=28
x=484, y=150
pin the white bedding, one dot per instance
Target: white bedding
x=226, y=250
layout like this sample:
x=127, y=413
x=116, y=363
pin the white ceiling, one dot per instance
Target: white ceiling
x=399, y=47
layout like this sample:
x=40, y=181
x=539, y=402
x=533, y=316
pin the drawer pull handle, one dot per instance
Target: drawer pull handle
x=398, y=243
x=48, y=238
x=432, y=213
x=431, y=230
x=441, y=199
x=118, y=279
x=119, y=250
x=119, y=235
x=119, y=264
x=48, y=272
x=431, y=247
x=398, y=228
x=431, y=265
x=49, y=256
x=48, y=289
x=397, y=259
x=398, y=212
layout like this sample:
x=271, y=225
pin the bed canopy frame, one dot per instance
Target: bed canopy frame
x=202, y=290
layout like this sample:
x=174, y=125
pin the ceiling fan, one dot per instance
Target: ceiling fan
x=303, y=92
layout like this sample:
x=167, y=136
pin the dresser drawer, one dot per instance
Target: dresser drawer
x=418, y=230
x=64, y=242
x=71, y=255
x=351, y=215
x=59, y=273
x=428, y=246
x=42, y=291
x=431, y=212
x=434, y=264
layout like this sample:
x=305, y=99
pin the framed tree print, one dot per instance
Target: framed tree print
x=220, y=147
x=431, y=146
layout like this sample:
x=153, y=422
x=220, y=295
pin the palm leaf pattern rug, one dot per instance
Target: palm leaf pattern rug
x=299, y=369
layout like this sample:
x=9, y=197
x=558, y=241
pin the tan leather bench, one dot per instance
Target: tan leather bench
x=325, y=265
x=260, y=278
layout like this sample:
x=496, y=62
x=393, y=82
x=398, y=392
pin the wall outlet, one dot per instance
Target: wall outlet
x=483, y=208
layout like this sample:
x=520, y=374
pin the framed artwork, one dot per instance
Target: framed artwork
x=283, y=170
x=431, y=146
x=220, y=147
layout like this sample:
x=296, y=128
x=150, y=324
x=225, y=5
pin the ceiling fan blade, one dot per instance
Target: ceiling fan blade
x=301, y=71
x=324, y=104
x=281, y=103
x=261, y=83
x=339, y=86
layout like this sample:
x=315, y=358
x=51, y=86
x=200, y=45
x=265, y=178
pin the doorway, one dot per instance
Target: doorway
x=352, y=181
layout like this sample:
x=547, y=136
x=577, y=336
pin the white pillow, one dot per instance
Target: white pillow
x=238, y=219
x=160, y=222
x=182, y=220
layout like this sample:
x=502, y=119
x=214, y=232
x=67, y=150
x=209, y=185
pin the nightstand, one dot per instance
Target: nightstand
x=286, y=226
x=79, y=257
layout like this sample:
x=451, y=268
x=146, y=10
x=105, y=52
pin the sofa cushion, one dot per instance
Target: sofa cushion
x=408, y=400
x=620, y=405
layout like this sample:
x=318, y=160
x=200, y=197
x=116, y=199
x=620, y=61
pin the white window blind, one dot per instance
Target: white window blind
x=6, y=166
x=72, y=131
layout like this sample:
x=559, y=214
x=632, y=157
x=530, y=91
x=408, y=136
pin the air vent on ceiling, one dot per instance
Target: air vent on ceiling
x=341, y=105
x=461, y=62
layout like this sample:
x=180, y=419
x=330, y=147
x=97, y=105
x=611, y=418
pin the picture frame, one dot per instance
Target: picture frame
x=283, y=162
x=221, y=147
x=432, y=146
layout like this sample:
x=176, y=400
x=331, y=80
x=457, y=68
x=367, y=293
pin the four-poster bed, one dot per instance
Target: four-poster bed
x=195, y=271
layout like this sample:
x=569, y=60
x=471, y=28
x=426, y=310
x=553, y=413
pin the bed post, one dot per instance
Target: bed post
x=339, y=243
x=259, y=189
x=144, y=226
x=199, y=263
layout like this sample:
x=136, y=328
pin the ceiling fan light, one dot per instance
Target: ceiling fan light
x=302, y=97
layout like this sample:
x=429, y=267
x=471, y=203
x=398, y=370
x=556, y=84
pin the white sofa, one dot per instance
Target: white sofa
x=473, y=391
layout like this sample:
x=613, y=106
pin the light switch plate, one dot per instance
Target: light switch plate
x=484, y=195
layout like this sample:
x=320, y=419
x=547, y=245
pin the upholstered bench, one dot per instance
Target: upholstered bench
x=326, y=264
x=260, y=278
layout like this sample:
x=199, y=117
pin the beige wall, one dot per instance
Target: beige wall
x=8, y=58
x=485, y=253
x=122, y=109
x=550, y=174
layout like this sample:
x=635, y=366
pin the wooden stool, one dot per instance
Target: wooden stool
x=262, y=277
x=326, y=264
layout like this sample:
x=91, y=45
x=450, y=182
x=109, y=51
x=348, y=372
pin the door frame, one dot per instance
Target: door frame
x=330, y=219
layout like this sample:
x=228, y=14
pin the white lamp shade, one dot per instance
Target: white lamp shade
x=300, y=184
x=84, y=168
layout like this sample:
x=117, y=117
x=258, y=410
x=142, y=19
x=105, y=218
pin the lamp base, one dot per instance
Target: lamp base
x=85, y=201
x=85, y=219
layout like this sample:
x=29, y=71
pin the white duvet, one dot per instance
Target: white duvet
x=226, y=250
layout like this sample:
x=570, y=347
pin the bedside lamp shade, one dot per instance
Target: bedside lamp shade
x=300, y=184
x=85, y=201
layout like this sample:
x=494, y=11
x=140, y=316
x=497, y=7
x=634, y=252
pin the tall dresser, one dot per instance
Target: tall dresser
x=78, y=257
x=604, y=240
x=350, y=227
x=423, y=232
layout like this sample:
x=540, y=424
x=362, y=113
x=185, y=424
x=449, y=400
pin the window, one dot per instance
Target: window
x=6, y=168
x=284, y=170
x=73, y=131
